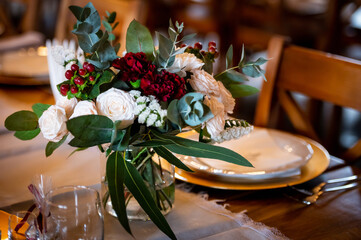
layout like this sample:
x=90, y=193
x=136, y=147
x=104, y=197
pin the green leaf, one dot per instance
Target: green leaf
x=90, y=130
x=27, y=135
x=164, y=153
x=122, y=142
x=78, y=150
x=39, y=108
x=135, y=183
x=174, y=115
x=139, y=39
x=252, y=71
x=76, y=10
x=242, y=90
x=111, y=17
x=21, y=121
x=107, y=26
x=51, y=146
x=241, y=61
x=231, y=76
x=135, y=84
x=86, y=36
x=198, y=149
x=106, y=77
x=153, y=143
x=85, y=14
x=116, y=48
x=111, y=38
x=104, y=51
x=188, y=37
x=229, y=57
x=115, y=176
x=260, y=61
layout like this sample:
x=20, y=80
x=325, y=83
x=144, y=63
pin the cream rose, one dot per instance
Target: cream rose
x=203, y=82
x=226, y=98
x=215, y=125
x=117, y=105
x=53, y=123
x=84, y=108
x=185, y=62
x=67, y=104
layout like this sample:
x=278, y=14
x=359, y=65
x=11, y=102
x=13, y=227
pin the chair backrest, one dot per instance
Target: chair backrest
x=315, y=74
x=126, y=10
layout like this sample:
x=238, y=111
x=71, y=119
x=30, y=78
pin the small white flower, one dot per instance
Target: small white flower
x=142, y=99
x=203, y=82
x=143, y=115
x=158, y=123
x=135, y=93
x=151, y=119
x=139, y=108
x=84, y=108
x=226, y=98
x=185, y=62
x=117, y=105
x=52, y=123
x=67, y=104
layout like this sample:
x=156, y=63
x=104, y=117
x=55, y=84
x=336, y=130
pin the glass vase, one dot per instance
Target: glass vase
x=157, y=174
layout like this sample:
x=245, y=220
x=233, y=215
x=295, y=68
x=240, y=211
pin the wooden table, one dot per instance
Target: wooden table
x=336, y=215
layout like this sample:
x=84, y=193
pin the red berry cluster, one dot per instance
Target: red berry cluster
x=77, y=78
x=212, y=52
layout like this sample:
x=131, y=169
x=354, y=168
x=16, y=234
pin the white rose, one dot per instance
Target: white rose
x=117, y=105
x=185, y=62
x=67, y=104
x=215, y=125
x=53, y=123
x=84, y=108
x=203, y=82
x=226, y=98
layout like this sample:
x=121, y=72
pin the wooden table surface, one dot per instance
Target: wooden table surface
x=336, y=215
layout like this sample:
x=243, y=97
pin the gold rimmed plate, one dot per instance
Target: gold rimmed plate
x=316, y=165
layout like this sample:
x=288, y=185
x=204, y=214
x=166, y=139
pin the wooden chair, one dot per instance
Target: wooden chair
x=316, y=74
x=126, y=10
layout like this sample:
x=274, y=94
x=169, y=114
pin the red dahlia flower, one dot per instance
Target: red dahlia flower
x=165, y=86
x=133, y=66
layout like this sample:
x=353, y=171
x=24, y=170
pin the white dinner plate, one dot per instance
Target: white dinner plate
x=273, y=154
x=313, y=168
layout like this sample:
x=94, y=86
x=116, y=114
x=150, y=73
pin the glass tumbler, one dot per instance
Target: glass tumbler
x=23, y=225
x=75, y=212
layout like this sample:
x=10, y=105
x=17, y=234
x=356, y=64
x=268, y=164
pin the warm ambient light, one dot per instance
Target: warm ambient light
x=42, y=51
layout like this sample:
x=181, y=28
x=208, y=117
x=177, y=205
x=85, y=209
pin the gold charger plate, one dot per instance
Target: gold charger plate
x=314, y=167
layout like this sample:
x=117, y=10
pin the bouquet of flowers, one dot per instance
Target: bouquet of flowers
x=132, y=107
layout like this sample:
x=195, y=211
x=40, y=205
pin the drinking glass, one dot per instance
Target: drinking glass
x=23, y=225
x=75, y=212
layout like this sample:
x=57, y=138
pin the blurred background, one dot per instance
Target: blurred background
x=328, y=25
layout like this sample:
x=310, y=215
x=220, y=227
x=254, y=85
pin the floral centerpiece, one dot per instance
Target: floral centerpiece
x=132, y=107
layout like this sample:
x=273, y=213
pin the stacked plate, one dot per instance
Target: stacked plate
x=277, y=157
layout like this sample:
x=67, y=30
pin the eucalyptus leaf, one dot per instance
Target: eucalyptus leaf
x=39, y=108
x=84, y=14
x=198, y=149
x=188, y=37
x=164, y=153
x=27, y=135
x=52, y=146
x=242, y=90
x=153, y=143
x=107, y=26
x=90, y=130
x=139, y=39
x=111, y=17
x=76, y=10
x=229, y=57
x=135, y=183
x=252, y=71
x=22, y=121
x=106, y=77
x=231, y=76
x=115, y=176
x=173, y=114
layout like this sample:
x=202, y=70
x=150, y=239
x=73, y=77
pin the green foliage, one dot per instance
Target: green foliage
x=164, y=153
x=90, y=130
x=242, y=90
x=27, y=135
x=139, y=39
x=115, y=177
x=165, y=56
x=199, y=149
x=91, y=39
x=106, y=77
x=135, y=183
x=22, y=121
x=51, y=146
x=229, y=57
x=39, y=108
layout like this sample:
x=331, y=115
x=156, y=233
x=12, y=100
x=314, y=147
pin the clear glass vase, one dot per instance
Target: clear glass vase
x=157, y=174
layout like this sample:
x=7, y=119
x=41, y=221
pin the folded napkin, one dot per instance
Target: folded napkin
x=23, y=40
x=270, y=155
